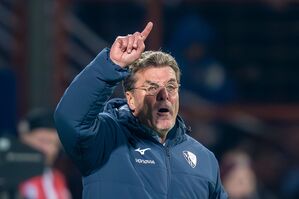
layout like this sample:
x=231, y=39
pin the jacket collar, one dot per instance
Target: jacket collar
x=119, y=109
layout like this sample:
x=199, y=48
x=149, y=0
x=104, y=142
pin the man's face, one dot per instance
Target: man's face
x=44, y=140
x=156, y=111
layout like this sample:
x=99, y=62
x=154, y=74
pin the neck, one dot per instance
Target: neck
x=162, y=138
x=163, y=134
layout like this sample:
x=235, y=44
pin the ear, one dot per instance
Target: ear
x=130, y=100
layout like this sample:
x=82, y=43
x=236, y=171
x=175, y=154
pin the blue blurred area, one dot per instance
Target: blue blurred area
x=8, y=113
x=190, y=43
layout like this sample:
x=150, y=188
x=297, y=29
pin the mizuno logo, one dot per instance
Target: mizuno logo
x=191, y=158
x=142, y=151
x=141, y=161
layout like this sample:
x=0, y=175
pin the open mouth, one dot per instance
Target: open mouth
x=163, y=110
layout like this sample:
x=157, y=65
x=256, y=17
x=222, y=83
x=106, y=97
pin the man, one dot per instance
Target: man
x=138, y=147
x=38, y=131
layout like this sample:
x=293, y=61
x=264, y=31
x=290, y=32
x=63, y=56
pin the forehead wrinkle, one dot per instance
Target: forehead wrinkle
x=151, y=76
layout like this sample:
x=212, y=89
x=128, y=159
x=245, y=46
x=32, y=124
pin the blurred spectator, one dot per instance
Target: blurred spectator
x=269, y=165
x=203, y=75
x=239, y=178
x=38, y=131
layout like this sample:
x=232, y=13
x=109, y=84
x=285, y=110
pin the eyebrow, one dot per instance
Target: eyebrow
x=172, y=80
x=149, y=82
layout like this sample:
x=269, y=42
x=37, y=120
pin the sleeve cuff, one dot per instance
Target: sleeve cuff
x=106, y=69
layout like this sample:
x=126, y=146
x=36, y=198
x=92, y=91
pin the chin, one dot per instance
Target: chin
x=164, y=126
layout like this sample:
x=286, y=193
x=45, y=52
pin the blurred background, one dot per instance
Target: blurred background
x=239, y=60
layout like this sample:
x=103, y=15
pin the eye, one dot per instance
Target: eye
x=152, y=89
x=171, y=88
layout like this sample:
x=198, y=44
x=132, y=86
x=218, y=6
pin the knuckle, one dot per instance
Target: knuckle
x=131, y=40
x=119, y=38
x=137, y=33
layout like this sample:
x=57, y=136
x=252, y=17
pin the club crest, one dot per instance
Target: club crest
x=191, y=158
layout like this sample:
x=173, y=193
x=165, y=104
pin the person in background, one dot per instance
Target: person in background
x=38, y=131
x=239, y=178
x=136, y=147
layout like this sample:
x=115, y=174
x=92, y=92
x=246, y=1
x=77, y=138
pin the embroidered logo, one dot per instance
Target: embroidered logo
x=142, y=151
x=191, y=158
x=141, y=161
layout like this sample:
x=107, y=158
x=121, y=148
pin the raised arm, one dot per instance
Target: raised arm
x=77, y=114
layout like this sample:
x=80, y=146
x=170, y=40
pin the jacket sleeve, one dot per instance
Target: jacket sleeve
x=80, y=126
x=219, y=192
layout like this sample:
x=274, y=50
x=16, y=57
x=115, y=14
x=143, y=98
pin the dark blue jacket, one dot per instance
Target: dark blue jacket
x=121, y=158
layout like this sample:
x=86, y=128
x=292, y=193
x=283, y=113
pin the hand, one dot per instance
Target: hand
x=126, y=49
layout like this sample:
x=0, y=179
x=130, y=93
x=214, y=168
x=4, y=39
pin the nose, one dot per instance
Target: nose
x=162, y=94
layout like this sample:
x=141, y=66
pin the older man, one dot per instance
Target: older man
x=136, y=147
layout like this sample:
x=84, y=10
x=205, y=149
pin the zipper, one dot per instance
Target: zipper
x=167, y=159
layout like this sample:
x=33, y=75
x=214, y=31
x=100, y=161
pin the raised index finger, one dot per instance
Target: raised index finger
x=147, y=30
